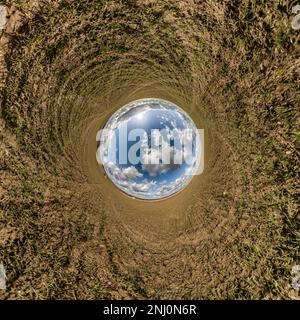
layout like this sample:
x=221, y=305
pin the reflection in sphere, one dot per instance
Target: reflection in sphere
x=150, y=149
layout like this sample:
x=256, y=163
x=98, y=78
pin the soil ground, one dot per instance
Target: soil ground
x=66, y=232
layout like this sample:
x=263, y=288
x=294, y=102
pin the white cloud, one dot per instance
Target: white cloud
x=155, y=169
x=172, y=187
x=124, y=178
x=161, y=157
x=143, y=187
x=124, y=174
x=131, y=173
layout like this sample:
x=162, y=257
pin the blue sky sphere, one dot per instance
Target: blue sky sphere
x=150, y=149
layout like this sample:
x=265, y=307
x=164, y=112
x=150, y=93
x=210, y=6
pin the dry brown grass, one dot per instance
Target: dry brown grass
x=66, y=232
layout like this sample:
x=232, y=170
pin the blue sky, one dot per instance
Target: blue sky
x=150, y=181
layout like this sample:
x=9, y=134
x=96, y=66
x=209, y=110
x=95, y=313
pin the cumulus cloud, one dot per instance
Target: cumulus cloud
x=129, y=173
x=161, y=157
x=125, y=179
x=143, y=187
x=167, y=189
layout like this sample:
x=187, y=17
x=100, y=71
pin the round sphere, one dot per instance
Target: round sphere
x=150, y=149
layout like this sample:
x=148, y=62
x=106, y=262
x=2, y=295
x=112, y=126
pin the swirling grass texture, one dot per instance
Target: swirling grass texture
x=66, y=232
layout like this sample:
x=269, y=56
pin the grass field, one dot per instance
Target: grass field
x=66, y=232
